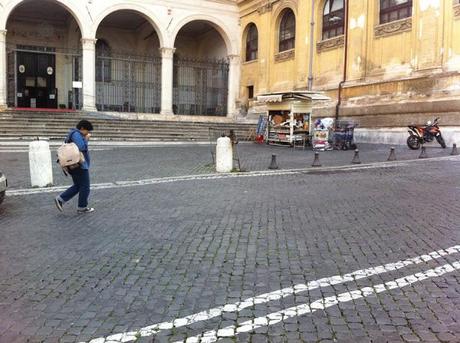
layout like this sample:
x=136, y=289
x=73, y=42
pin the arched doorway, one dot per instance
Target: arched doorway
x=201, y=70
x=128, y=65
x=43, y=56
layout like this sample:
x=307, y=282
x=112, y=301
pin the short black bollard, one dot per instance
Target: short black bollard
x=423, y=154
x=273, y=164
x=454, y=150
x=356, y=158
x=316, y=162
x=392, y=156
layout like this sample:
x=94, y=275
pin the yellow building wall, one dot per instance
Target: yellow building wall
x=416, y=59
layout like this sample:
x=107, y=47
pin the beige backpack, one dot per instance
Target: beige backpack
x=69, y=157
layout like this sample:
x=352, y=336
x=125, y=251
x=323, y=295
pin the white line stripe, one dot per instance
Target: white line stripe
x=145, y=182
x=275, y=295
x=321, y=304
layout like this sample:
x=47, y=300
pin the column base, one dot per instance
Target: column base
x=89, y=109
x=167, y=112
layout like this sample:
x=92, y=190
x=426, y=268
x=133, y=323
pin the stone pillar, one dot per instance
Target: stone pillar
x=3, y=71
x=233, y=84
x=167, y=55
x=89, y=74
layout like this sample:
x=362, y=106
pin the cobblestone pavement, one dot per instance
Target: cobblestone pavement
x=134, y=163
x=159, y=253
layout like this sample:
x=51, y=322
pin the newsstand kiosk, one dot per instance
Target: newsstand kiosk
x=289, y=116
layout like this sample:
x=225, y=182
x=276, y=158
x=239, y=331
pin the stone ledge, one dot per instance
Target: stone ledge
x=331, y=43
x=285, y=56
x=393, y=27
x=413, y=107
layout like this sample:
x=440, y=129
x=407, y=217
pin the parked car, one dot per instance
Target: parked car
x=3, y=185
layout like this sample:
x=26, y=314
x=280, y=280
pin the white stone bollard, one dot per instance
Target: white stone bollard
x=41, y=171
x=224, y=155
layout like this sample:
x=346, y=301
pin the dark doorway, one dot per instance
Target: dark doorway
x=36, y=80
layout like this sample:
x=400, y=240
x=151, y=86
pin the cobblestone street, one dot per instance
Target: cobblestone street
x=365, y=255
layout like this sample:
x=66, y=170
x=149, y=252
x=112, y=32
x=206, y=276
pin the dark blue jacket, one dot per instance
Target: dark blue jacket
x=76, y=137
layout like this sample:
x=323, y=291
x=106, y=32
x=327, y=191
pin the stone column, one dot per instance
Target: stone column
x=89, y=74
x=233, y=84
x=167, y=55
x=3, y=71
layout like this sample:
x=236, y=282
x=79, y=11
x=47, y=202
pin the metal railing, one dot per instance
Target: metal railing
x=200, y=87
x=128, y=84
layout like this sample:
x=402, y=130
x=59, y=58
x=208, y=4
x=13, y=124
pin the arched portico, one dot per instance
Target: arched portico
x=128, y=65
x=205, y=67
x=40, y=54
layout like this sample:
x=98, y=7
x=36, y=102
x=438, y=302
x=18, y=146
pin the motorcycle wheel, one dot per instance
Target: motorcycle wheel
x=413, y=143
x=441, y=142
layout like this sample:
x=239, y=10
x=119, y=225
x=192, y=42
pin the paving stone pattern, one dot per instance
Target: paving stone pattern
x=135, y=163
x=155, y=253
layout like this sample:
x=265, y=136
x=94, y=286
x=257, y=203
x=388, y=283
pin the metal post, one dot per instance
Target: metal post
x=103, y=82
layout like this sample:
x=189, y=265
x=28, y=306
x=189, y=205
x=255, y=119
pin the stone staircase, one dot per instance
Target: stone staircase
x=18, y=125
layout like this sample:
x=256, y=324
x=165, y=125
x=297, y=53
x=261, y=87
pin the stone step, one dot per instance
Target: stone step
x=29, y=125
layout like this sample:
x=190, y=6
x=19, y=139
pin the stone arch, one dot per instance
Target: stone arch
x=142, y=11
x=218, y=25
x=67, y=5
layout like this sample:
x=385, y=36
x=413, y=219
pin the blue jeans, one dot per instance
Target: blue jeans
x=81, y=186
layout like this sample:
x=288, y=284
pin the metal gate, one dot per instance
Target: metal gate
x=68, y=73
x=200, y=87
x=128, y=84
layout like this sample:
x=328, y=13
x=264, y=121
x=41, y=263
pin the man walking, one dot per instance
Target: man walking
x=80, y=175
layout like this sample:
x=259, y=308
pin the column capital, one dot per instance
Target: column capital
x=167, y=52
x=233, y=58
x=88, y=43
x=3, y=35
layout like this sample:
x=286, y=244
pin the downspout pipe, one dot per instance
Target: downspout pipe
x=312, y=45
x=345, y=63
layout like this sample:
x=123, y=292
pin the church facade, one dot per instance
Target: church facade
x=131, y=56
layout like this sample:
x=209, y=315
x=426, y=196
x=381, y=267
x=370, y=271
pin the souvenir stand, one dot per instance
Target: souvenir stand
x=289, y=116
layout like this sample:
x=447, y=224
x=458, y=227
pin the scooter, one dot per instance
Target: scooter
x=419, y=135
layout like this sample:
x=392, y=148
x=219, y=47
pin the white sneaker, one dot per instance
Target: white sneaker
x=85, y=210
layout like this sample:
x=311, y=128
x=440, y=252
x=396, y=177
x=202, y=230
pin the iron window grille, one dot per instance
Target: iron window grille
x=391, y=10
x=252, y=43
x=287, y=31
x=103, y=61
x=333, y=19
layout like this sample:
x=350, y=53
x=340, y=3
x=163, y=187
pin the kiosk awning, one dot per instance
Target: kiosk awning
x=301, y=95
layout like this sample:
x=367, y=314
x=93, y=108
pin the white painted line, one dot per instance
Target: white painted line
x=321, y=304
x=275, y=295
x=53, y=149
x=145, y=182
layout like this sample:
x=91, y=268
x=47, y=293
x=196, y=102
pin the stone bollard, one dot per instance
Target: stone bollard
x=41, y=170
x=454, y=150
x=392, y=156
x=224, y=155
x=423, y=154
x=316, y=162
x=356, y=158
x=273, y=164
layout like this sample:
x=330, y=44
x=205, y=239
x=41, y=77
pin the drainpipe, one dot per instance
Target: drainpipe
x=345, y=62
x=312, y=37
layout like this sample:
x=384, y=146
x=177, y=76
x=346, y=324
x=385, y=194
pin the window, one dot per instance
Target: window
x=252, y=43
x=391, y=10
x=333, y=19
x=103, y=61
x=250, y=92
x=287, y=31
